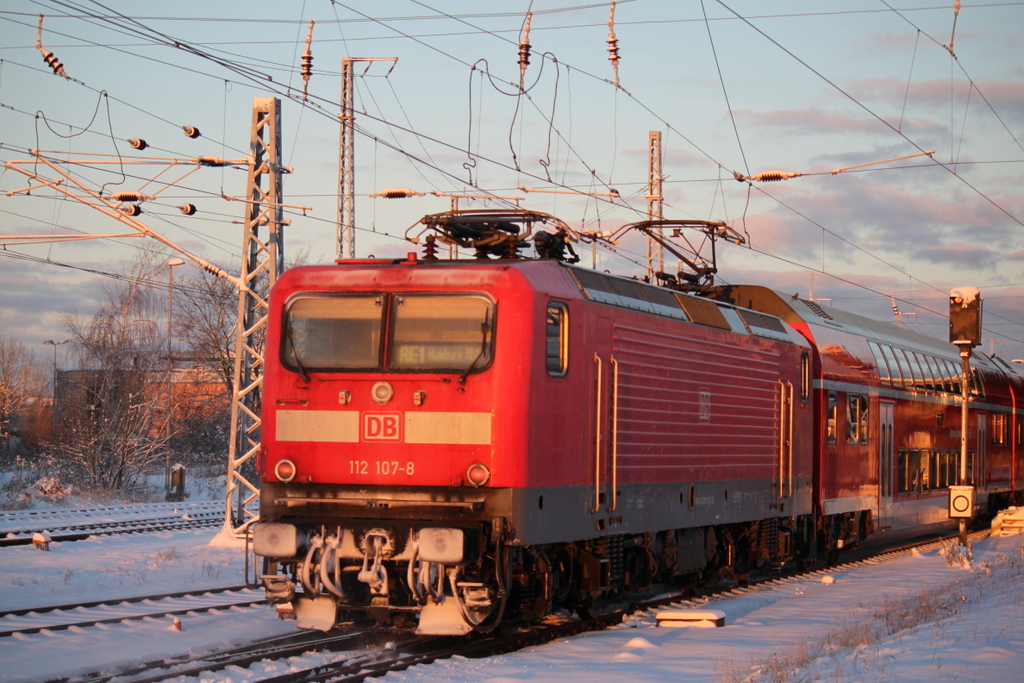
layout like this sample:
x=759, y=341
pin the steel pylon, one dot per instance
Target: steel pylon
x=262, y=261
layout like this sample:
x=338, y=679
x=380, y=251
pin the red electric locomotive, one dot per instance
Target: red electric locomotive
x=453, y=445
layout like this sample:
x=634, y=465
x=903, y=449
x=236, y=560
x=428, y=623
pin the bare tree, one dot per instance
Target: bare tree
x=205, y=322
x=21, y=385
x=113, y=409
x=206, y=316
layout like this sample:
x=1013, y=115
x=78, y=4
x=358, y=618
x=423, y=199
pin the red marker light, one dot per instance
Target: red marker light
x=285, y=470
x=478, y=474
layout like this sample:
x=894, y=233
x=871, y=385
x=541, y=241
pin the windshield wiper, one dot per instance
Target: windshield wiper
x=485, y=327
x=295, y=353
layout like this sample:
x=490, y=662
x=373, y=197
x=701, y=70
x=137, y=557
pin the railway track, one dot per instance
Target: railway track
x=19, y=527
x=353, y=657
x=87, y=614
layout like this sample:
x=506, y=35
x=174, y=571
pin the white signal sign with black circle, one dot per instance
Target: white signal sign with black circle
x=961, y=502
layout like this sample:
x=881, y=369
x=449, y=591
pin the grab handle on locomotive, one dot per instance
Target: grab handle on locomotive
x=615, y=433
x=785, y=484
x=597, y=436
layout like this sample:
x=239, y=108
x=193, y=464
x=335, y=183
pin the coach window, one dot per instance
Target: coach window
x=856, y=418
x=901, y=360
x=864, y=419
x=902, y=478
x=880, y=363
x=556, y=339
x=977, y=388
x=914, y=467
x=915, y=367
x=941, y=381
x=998, y=429
x=932, y=381
x=894, y=369
x=831, y=429
x=953, y=374
x=929, y=470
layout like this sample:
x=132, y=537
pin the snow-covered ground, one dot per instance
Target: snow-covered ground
x=910, y=619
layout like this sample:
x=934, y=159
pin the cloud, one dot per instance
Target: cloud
x=35, y=294
x=1005, y=97
x=807, y=121
x=958, y=254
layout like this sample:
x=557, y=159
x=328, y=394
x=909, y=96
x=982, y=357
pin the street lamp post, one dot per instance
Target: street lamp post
x=170, y=371
x=53, y=405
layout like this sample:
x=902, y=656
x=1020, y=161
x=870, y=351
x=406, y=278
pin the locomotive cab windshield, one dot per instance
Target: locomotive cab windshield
x=394, y=332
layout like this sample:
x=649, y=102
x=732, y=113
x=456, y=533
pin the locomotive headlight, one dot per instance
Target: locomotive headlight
x=478, y=474
x=382, y=392
x=285, y=470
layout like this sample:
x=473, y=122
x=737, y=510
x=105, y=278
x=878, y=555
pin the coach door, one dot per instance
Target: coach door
x=885, y=464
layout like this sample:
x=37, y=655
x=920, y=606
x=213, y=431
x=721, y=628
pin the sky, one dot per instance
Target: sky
x=734, y=87
x=911, y=618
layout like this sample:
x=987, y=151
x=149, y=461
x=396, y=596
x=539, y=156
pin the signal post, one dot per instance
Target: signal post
x=965, y=332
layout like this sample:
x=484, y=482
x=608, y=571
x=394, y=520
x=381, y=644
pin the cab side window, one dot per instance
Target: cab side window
x=556, y=338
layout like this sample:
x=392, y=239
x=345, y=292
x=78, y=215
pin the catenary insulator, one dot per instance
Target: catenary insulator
x=54, y=64
x=128, y=196
x=396, y=193
x=210, y=161
x=138, y=143
x=131, y=210
x=307, y=62
x=613, y=43
x=774, y=176
x=767, y=176
x=191, y=131
x=48, y=57
x=524, y=50
x=187, y=209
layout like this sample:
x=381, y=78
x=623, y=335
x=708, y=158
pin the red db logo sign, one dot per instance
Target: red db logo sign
x=382, y=426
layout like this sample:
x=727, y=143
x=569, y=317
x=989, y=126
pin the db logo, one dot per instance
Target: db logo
x=705, y=404
x=382, y=426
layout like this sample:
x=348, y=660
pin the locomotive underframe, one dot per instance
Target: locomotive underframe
x=359, y=550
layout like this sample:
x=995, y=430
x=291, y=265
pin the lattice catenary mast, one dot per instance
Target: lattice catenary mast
x=262, y=261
